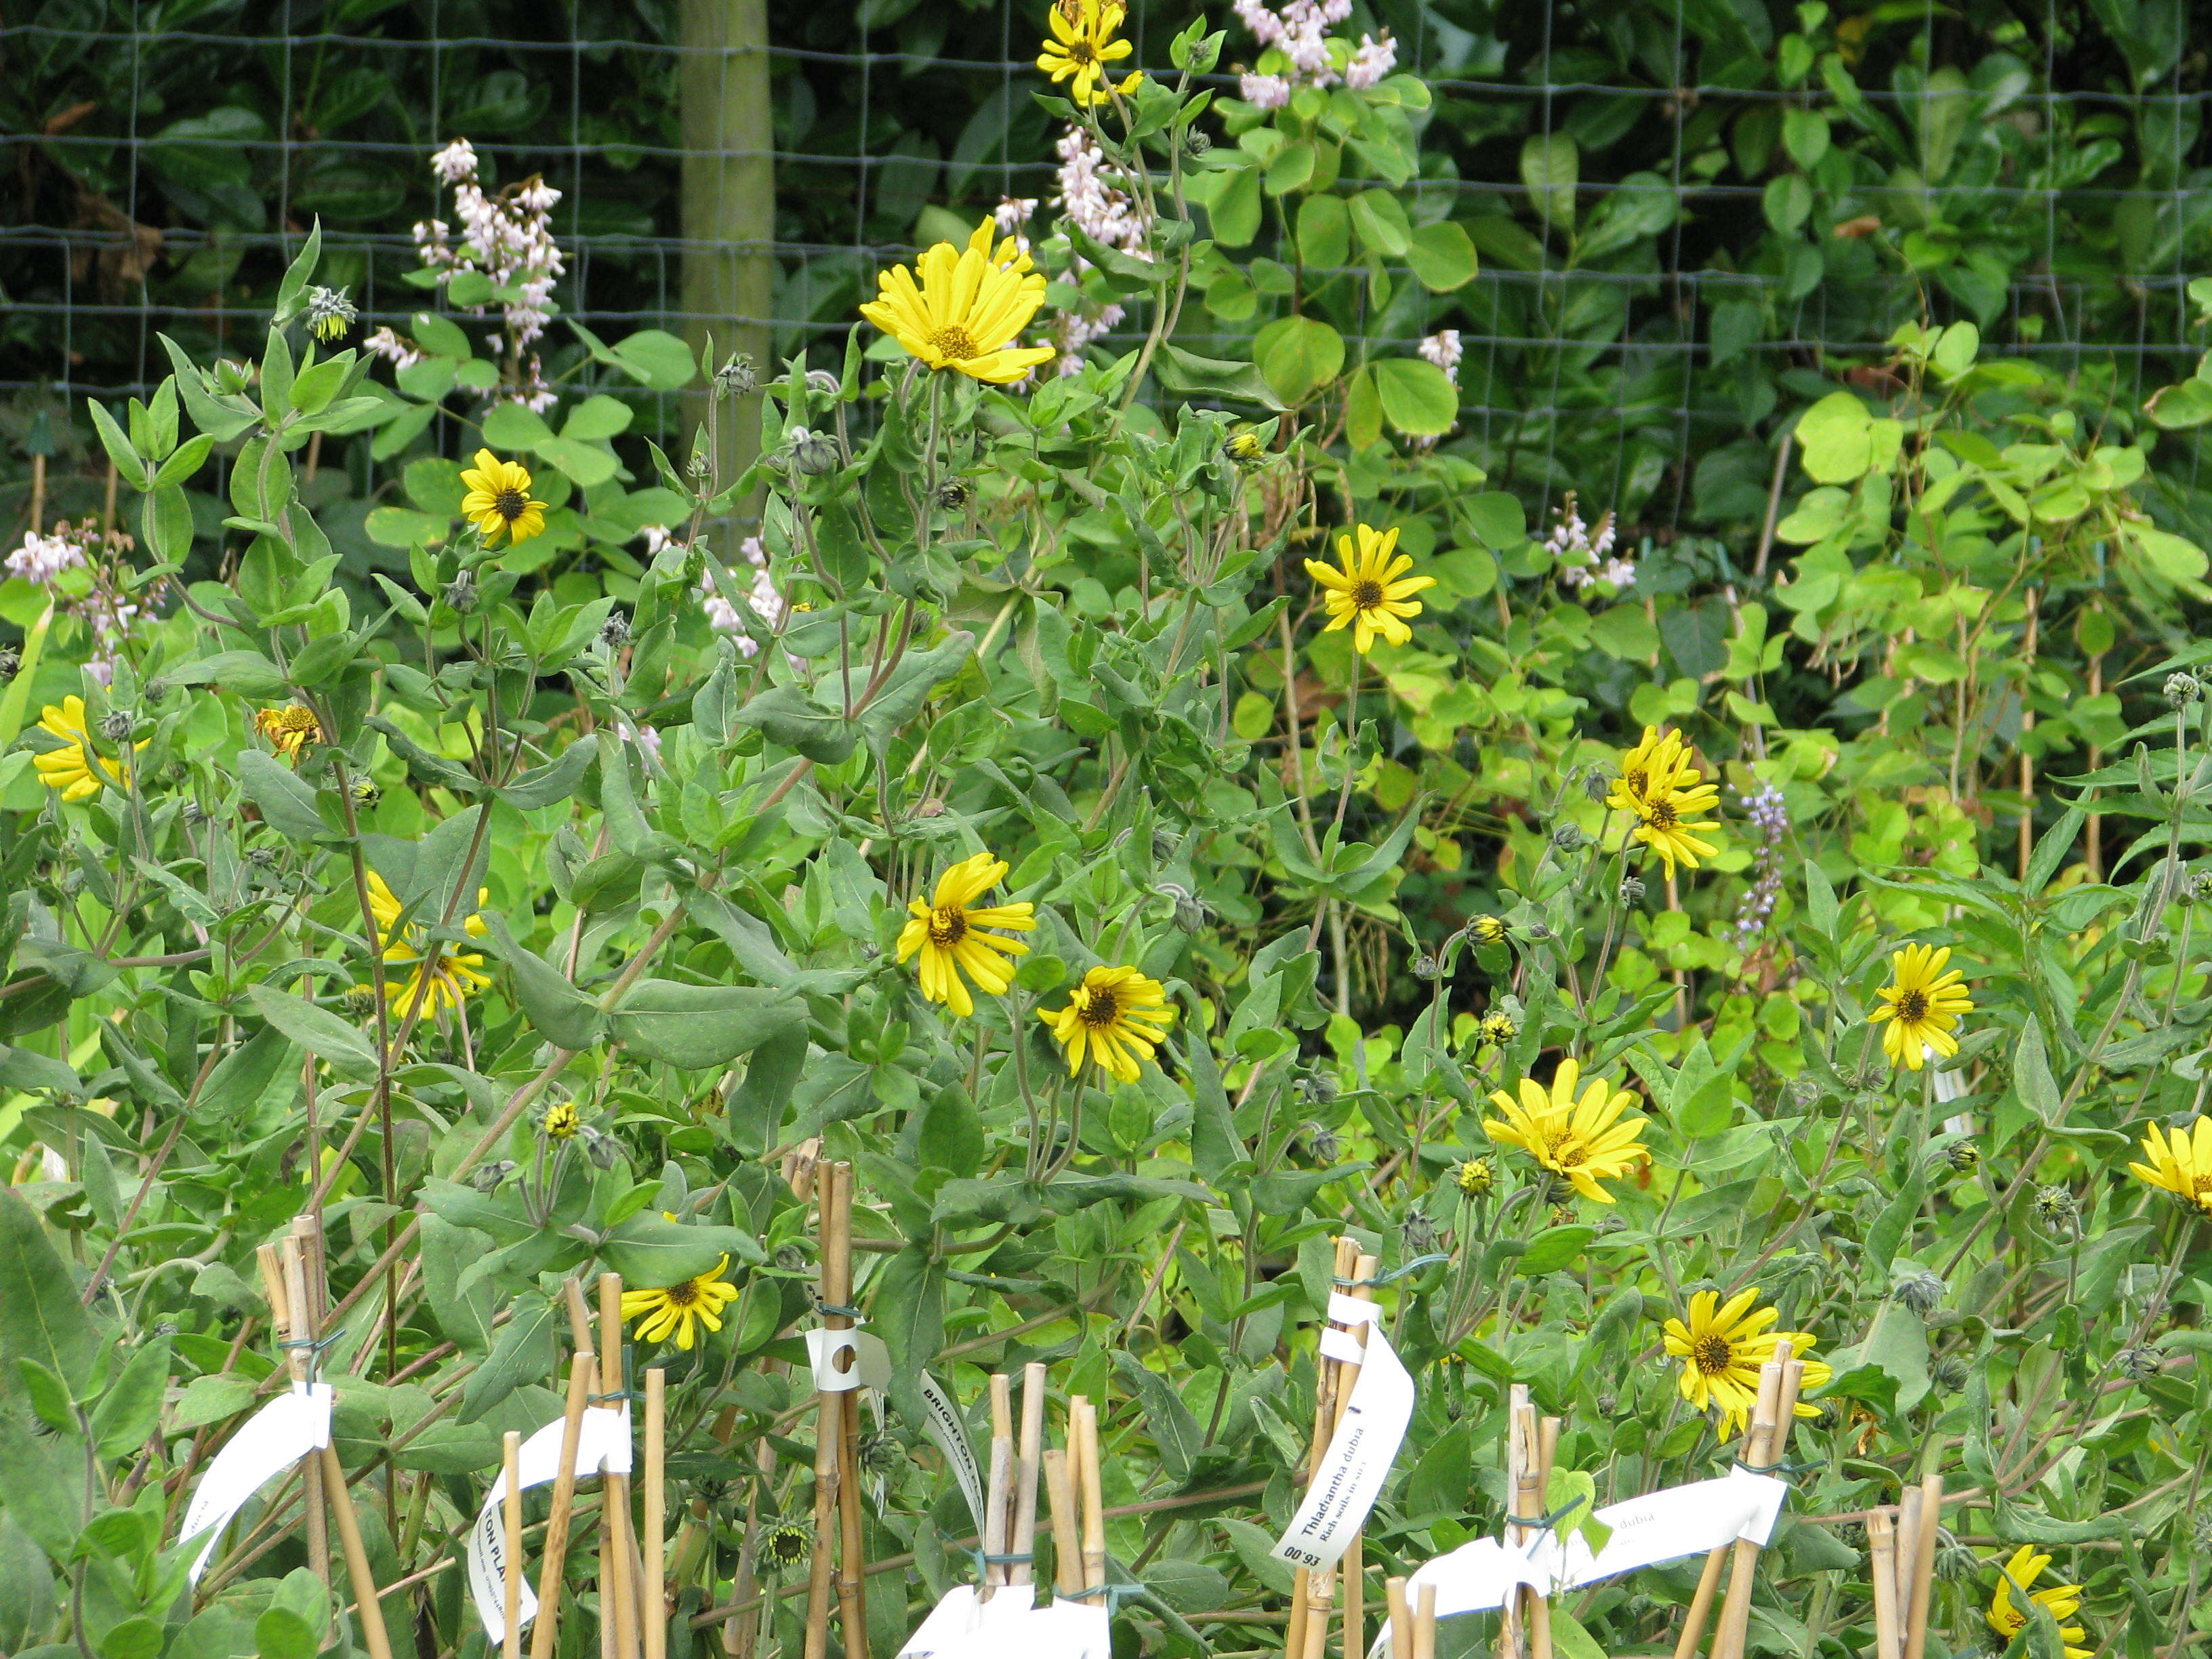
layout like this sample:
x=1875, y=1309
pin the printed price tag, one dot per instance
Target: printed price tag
x=604, y=1438
x=276, y=1436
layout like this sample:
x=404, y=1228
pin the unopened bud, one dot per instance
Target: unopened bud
x=954, y=495
x=2182, y=689
x=1567, y=837
x=1631, y=889
x=1425, y=966
x=115, y=726
x=614, y=632
x=461, y=594
x=737, y=377
x=815, y=454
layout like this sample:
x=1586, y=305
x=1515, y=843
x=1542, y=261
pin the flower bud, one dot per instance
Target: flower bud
x=1196, y=144
x=488, y=1178
x=1596, y=786
x=115, y=726
x=814, y=455
x=954, y=495
x=366, y=793
x=1567, y=837
x=2057, y=1208
x=1487, y=929
x=1244, y=449
x=1631, y=889
x=614, y=632
x=1425, y=966
x=157, y=689
x=1950, y=1374
x=790, y=1258
x=461, y=594
x=1319, y=1087
x=1498, y=1028
x=2182, y=689
x=1475, y=1177
x=2138, y=1362
x=1922, y=1293
x=11, y=662
x=1326, y=1145
x=1418, y=1233
x=330, y=312
x=737, y=377
x=1963, y=1156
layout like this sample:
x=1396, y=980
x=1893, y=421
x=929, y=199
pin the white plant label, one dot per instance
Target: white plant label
x=945, y=1427
x=1365, y=1443
x=845, y=1361
x=1661, y=1526
x=276, y=1436
x=1008, y=1627
x=604, y=1438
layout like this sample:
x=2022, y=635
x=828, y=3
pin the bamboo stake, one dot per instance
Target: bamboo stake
x=1425, y=1624
x=1525, y=1625
x=1908, y=1551
x=1355, y=1568
x=1755, y=1448
x=1881, y=1549
x=852, y=1580
x=1094, y=1498
x=1066, y=1545
x=615, y=1543
x=582, y=1369
x=1000, y=1489
x=1294, y=1631
x=828, y=1434
x=1735, y=1627
x=300, y=1329
x=1401, y=1616
x=1923, y=1566
x=656, y=1514
x=1025, y=1474
x=510, y=1517
x=368, y=1607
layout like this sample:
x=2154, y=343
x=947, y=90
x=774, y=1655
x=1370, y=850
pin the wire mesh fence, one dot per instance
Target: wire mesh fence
x=1690, y=216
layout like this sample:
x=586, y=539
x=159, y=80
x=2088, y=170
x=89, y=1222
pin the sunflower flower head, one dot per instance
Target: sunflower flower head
x=2008, y=1617
x=2180, y=1162
x=1474, y=1177
x=785, y=1544
x=964, y=308
x=1921, y=1006
x=73, y=768
x=1367, y=589
x=1118, y=1014
x=1666, y=793
x=498, y=501
x=949, y=931
x=1722, y=1346
x=1587, y=1141
x=289, y=729
x=421, y=978
x=676, y=1311
x=1082, y=44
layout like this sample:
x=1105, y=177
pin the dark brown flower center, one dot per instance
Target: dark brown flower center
x=1367, y=595
x=1099, y=1011
x=1912, y=1007
x=1712, y=1355
x=955, y=342
x=510, y=504
x=948, y=925
x=1661, y=815
x=1080, y=52
x=681, y=1296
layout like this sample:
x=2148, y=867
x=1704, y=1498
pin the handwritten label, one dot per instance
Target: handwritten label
x=276, y=1436
x=845, y=1361
x=1360, y=1452
x=945, y=1427
x=604, y=1439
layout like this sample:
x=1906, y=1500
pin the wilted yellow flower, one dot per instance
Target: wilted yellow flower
x=1118, y=1013
x=1368, y=590
x=499, y=500
x=2062, y=1601
x=1583, y=1140
x=2180, y=1163
x=1723, y=1347
x=289, y=729
x=1922, y=1005
x=949, y=935
x=966, y=311
x=1081, y=46
x=74, y=770
x=675, y=1311
x=434, y=977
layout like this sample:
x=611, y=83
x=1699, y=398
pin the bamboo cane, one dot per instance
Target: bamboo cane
x=583, y=1370
x=299, y=1330
x=656, y=1514
x=1000, y=1488
x=1881, y=1550
x=828, y=1433
x=1094, y=1499
x=1353, y=1570
x=1067, y=1540
x=1923, y=1566
x=1401, y=1616
x=615, y=1543
x=1735, y=1627
x=510, y=1539
x=1025, y=1474
x=1425, y=1623
x=851, y=1562
x=366, y=1605
x=1908, y=1554
x=1294, y=1631
x=1754, y=1448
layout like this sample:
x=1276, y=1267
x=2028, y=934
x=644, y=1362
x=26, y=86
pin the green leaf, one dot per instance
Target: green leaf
x=126, y=458
x=785, y=714
x=1417, y=398
x=1553, y=1248
x=514, y=426
x=544, y=786
x=128, y=1411
x=564, y=1016
x=1186, y=375
x=649, y=1249
x=1836, y=435
x=585, y=465
x=40, y=1315
x=656, y=358
x=597, y=416
x=2177, y=407
x=287, y=805
x=1297, y=356
x=1441, y=256
x=316, y=1029
x=1324, y=233
x=1551, y=167
x=692, y=1027
x=1234, y=213
x=1379, y=220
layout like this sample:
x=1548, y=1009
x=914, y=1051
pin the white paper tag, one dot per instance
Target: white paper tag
x=945, y=1427
x=604, y=1438
x=1009, y=1626
x=845, y=1361
x=1661, y=1526
x=274, y=1438
x=1351, y=1310
x=1359, y=1458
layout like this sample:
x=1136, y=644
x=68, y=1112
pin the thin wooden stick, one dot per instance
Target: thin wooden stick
x=300, y=1329
x=1066, y=1533
x=1401, y=1618
x=510, y=1521
x=1030, y=1449
x=852, y=1555
x=1923, y=1566
x=1882, y=1550
x=615, y=1544
x=1701, y=1603
x=1354, y=1567
x=1000, y=1492
x=1294, y=1630
x=1425, y=1623
x=366, y=1605
x=656, y=1514
x=829, y=1432
x=1772, y=1415
x=1908, y=1553
x=1094, y=1498
x=583, y=1370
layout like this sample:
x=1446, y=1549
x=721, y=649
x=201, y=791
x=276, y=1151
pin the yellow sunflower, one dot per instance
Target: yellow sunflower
x=2062, y=1601
x=1368, y=590
x=966, y=311
x=1584, y=1140
x=499, y=500
x=1922, y=1005
x=1081, y=46
x=675, y=1311
x=74, y=770
x=1723, y=1347
x=950, y=934
x=289, y=729
x=1118, y=1013
x=2180, y=1163
x=434, y=977
x=1664, y=790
